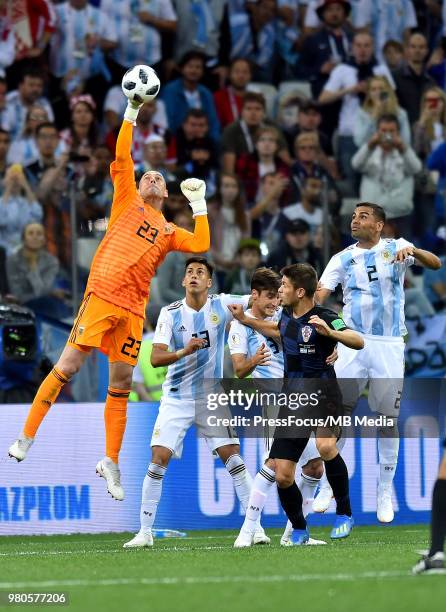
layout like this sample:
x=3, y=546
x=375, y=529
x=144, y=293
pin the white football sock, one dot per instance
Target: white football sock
x=307, y=486
x=388, y=457
x=151, y=495
x=241, y=478
x=261, y=487
x=323, y=482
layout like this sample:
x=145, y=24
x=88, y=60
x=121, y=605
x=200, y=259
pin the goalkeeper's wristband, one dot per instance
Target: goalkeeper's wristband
x=131, y=112
x=199, y=208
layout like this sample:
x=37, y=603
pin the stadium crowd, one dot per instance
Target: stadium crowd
x=290, y=110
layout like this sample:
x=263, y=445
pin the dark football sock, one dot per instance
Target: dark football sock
x=337, y=476
x=291, y=500
x=438, y=521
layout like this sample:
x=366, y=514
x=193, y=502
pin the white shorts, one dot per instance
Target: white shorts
x=310, y=452
x=175, y=417
x=381, y=363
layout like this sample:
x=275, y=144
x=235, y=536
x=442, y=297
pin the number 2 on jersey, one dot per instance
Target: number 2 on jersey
x=371, y=271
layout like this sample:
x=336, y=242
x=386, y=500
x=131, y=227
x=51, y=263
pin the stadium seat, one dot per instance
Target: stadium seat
x=301, y=88
x=86, y=248
x=155, y=292
x=270, y=94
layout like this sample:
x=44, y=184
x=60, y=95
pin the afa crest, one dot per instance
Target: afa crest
x=215, y=319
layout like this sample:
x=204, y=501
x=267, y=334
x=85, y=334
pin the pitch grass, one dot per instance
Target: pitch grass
x=368, y=572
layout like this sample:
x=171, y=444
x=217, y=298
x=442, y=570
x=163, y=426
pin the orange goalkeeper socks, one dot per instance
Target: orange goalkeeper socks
x=44, y=399
x=115, y=416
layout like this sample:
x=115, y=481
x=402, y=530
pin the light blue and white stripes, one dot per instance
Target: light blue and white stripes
x=373, y=287
x=177, y=324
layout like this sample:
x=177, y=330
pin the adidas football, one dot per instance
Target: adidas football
x=141, y=84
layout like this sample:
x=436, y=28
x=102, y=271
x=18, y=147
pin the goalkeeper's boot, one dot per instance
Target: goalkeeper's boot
x=384, y=508
x=141, y=540
x=299, y=537
x=244, y=539
x=343, y=527
x=20, y=448
x=260, y=536
x=323, y=499
x=430, y=565
x=109, y=470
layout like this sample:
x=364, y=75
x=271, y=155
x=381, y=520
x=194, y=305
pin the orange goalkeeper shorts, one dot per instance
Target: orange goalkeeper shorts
x=113, y=330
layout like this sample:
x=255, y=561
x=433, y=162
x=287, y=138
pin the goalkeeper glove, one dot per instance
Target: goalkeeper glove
x=132, y=110
x=194, y=190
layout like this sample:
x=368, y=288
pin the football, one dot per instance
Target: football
x=141, y=84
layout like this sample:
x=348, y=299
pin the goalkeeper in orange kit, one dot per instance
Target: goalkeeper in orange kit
x=111, y=315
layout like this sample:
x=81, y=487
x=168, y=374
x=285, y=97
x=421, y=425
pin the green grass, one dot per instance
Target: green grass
x=370, y=571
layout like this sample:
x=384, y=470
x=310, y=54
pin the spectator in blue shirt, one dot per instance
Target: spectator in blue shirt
x=186, y=92
x=437, y=161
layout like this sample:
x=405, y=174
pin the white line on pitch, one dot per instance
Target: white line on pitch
x=274, y=530
x=203, y=580
x=80, y=551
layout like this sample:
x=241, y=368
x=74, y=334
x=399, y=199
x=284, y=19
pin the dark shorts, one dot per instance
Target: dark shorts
x=290, y=449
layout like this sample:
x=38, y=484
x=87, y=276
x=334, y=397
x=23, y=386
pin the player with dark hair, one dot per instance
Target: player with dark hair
x=308, y=334
x=112, y=313
x=433, y=561
x=256, y=355
x=371, y=273
x=190, y=340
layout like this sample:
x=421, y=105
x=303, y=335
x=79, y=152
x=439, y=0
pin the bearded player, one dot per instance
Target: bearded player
x=111, y=315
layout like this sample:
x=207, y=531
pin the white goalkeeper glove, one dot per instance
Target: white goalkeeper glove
x=194, y=190
x=132, y=110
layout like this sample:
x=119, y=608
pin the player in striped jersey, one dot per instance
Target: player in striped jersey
x=308, y=334
x=194, y=331
x=251, y=352
x=371, y=273
x=262, y=357
x=112, y=313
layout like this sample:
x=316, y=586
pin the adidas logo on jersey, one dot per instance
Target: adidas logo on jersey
x=182, y=328
x=352, y=262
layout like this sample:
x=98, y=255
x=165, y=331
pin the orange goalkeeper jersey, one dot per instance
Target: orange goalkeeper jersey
x=137, y=239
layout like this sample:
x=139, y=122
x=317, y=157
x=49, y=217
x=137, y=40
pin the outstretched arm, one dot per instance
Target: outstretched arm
x=124, y=143
x=200, y=240
x=122, y=170
x=270, y=329
x=345, y=336
x=425, y=258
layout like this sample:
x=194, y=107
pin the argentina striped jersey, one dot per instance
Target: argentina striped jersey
x=244, y=340
x=177, y=324
x=373, y=286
